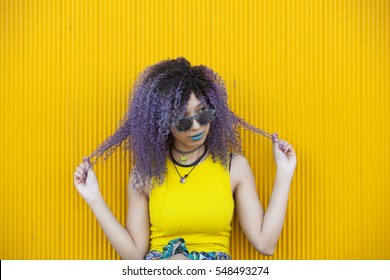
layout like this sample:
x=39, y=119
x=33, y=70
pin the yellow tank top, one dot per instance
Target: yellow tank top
x=200, y=210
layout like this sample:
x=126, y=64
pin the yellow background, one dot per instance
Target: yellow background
x=315, y=71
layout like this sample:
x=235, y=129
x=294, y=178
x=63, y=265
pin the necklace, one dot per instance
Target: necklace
x=183, y=178
x=183, y=157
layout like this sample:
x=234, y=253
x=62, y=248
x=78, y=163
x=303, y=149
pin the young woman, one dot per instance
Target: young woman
x=188, y=174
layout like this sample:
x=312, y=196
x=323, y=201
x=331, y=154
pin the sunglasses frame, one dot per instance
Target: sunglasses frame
x=196, y=117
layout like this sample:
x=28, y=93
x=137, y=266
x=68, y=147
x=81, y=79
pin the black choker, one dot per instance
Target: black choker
x=183, y=158
x=194, y=164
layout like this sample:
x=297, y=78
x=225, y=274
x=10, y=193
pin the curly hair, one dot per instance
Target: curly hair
x=159, y=96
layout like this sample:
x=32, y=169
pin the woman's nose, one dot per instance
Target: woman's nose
x=195, y=124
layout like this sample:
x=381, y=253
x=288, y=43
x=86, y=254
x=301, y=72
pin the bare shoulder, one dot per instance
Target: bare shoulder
x=240, y=172
x=237, y=159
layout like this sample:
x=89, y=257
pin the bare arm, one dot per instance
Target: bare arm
x=137, y=222
x=130, y=242
x=261, y=229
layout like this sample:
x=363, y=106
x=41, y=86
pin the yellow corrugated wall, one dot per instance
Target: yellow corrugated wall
x=315, y=71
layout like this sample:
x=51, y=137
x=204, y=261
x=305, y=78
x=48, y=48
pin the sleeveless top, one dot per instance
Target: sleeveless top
x=200, y=211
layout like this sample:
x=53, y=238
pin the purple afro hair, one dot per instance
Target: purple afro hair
x=160, y=95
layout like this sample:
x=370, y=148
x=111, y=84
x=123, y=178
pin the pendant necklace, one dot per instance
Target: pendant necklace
x=194, y=164
x=183, y=157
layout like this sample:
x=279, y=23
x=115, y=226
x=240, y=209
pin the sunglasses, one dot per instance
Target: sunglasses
x=203, y=118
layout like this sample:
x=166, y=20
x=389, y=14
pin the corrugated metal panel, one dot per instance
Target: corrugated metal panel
x=315, y=71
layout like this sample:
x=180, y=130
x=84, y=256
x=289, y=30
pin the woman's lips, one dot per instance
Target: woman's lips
x=197, y=136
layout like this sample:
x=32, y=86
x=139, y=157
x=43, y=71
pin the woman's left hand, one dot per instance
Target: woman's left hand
x=285, y=158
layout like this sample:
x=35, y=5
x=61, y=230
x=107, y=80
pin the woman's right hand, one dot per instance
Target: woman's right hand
x=86, y=182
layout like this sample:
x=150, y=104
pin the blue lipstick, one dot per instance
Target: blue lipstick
x=197, y=137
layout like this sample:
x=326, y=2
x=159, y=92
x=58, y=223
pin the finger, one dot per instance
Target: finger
x=83, y=167
x=276, y=141
x=291, y=149
x=80, y=176
x=78, y=173
x=275, y=137
x=87, y=163
x=80, y=169
x=78, y=179
x=282, y=147
x=82, y=172
x=285, y=146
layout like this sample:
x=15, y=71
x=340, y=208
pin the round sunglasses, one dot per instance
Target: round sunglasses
x=203, y=118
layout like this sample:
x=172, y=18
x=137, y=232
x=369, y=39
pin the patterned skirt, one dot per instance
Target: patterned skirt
x=177, y=246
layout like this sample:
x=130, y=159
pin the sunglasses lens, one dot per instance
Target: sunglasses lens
x=184, y=124
x=205, y=118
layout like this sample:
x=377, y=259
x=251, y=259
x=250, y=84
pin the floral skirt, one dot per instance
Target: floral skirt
x=177, y=246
